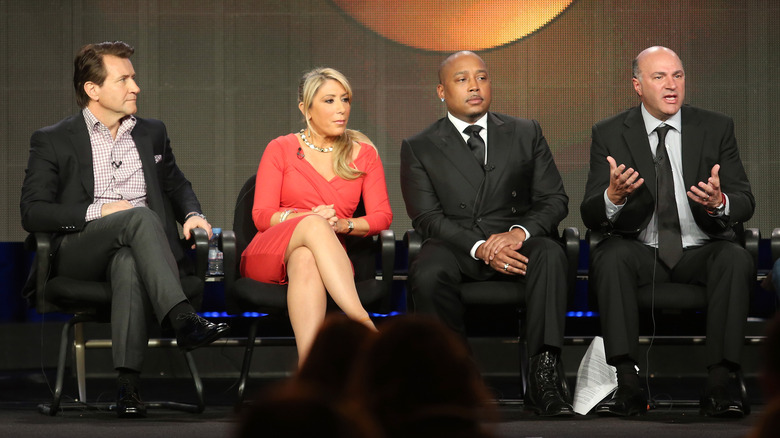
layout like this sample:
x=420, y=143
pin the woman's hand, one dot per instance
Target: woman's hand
x=328, y=212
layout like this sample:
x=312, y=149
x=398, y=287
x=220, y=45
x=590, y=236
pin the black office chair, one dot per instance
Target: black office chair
x=247, y=295
x=775, y=253
x=495, y=293
x=685, y=298
x=90, y=301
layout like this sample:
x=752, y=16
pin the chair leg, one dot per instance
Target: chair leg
x=743, y=392
x=197, y=408
x=249, y=349
x=80, y=357
x=523, y=351
x=196, y=379
x=54, y=407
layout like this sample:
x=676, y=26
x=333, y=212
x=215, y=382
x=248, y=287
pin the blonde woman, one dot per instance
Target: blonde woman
x=308, y=186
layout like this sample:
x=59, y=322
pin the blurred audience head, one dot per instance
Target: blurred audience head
x=336, y=350
x=770, y=371
x=419, y=380
x=294, y=409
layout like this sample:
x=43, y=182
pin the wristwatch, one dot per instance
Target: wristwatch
x=350, y=226
x=193, y=214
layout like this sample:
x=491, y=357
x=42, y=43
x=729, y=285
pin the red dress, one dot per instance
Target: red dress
x=285, y=181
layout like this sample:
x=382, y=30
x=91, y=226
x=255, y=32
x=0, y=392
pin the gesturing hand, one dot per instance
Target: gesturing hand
x=622, y=182
x=708, y=194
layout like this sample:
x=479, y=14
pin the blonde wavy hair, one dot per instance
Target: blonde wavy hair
x=342, y=147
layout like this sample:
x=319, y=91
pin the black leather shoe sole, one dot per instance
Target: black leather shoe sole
x=625, y=402
x=560, y=412
x=610, y=411
x=730, y=411
x=220, y=331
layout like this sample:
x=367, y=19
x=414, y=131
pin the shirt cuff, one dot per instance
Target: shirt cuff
x=612, y=209
x=473, y=251
x=527, y=234
x=93, y=212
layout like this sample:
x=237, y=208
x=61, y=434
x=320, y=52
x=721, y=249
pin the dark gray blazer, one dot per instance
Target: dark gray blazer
x=59, y=181
x=450, y=197
x=707, y=139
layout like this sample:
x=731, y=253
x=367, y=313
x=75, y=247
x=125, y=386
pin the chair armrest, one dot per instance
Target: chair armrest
x=571, y=239
x=41, y=243
x=387, y=244
x=200, y=238
x=775, y=241
x=752, y=238
x=594, y=237
x=413, y=242
x=229, y=259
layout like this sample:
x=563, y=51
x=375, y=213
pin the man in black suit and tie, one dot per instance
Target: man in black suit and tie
x=668, y=189
x=484, y=192
x=99, y=182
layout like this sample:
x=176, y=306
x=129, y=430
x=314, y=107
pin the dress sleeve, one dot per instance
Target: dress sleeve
x=378, y=213
x=271, y=173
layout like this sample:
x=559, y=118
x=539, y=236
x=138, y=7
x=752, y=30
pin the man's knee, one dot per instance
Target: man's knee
x=547, y=251
x=142, y=219
x=611, y=253
x=733, y=256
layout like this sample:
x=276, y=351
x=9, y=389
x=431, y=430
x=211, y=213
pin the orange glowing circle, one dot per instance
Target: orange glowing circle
x=449, y=25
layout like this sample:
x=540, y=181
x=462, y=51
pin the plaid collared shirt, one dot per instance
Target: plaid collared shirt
x=117, y=166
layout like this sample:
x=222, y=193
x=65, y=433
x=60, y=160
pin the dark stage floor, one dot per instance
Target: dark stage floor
x=21, y=392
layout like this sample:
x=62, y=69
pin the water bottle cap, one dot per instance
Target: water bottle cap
x=216, y=230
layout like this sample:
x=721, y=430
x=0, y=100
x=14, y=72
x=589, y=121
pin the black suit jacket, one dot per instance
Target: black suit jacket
x=450, y=197
x=59, y=181
x=707, y=139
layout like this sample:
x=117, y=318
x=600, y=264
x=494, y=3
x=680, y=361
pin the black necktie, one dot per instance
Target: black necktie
x=476, y=143
x=669, y=235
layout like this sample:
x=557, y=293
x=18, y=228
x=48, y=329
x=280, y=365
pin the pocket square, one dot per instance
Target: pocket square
x=157, y=159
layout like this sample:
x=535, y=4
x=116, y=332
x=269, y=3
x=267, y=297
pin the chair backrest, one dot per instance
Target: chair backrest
x=243, y=225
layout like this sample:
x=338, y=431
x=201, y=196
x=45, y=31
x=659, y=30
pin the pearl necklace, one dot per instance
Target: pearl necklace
x=306, y=141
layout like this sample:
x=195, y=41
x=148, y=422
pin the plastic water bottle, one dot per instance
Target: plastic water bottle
x=215, y=255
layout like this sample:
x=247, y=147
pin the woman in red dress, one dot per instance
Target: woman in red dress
x=308, y=186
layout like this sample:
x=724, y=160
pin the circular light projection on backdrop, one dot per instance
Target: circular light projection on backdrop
x=448, y=25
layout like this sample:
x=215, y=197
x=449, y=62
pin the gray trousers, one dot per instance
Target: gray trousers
x=129, y=249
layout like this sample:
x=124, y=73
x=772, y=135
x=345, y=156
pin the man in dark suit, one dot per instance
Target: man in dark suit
x=668, y=189
x=99, y=182
x=484, y=192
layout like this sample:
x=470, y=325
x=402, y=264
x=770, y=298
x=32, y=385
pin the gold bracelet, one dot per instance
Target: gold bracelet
x=284, y=215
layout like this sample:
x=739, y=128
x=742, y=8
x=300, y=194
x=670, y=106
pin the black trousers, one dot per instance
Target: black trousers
x=129, y=249
x=437, y=273
x=620, y=266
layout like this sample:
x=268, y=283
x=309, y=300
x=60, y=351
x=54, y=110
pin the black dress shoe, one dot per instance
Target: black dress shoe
x=716, y=402
x=128, y=402
x=198, y=331
x=626, y=401
x=546, y=394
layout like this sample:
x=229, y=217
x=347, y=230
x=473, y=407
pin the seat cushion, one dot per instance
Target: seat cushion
x=251, y=295
x=493, y=292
